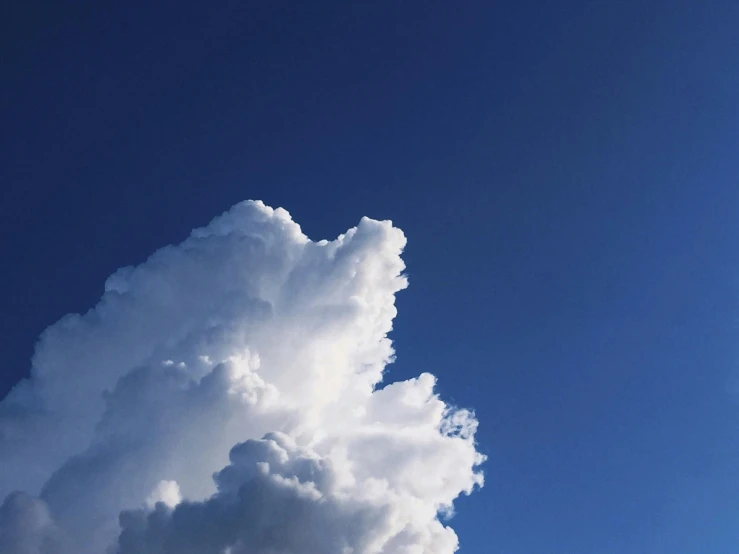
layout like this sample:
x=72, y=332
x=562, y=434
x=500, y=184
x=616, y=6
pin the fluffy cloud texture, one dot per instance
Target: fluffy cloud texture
x=225, y=397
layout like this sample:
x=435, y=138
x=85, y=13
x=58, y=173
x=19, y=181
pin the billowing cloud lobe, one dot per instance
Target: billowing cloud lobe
x=225, y=397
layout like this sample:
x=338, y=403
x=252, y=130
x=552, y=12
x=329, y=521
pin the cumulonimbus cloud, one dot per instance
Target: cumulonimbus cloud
x=225, y=396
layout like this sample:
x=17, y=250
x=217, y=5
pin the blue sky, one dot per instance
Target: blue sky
x=565, y=173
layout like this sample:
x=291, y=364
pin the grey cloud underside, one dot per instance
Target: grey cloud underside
x=272, y=498
x=253, y=354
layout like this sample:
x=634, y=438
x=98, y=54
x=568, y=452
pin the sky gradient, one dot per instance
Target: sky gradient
x=565, y=173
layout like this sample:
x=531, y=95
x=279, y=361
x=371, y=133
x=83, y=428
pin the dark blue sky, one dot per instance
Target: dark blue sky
x=566, y=174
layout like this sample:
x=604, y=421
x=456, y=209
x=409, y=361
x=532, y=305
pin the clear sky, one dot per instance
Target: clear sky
x=566, y=174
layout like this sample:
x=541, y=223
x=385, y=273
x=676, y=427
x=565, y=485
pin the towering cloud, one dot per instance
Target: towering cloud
x=225, y=397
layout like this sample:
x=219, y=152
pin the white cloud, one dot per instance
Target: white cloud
x=245, y=330
x=167, y=492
